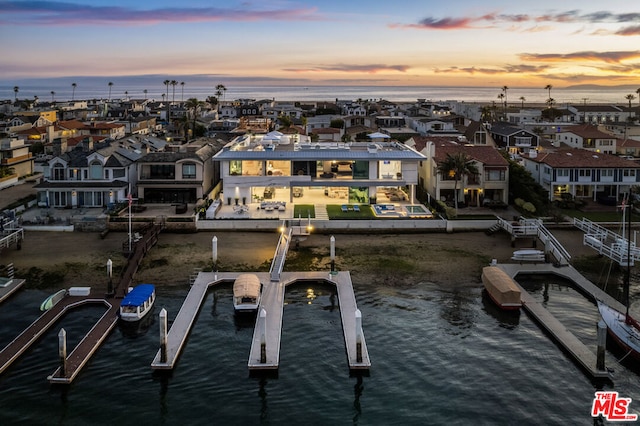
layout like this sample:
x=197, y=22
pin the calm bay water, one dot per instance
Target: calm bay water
x=440, y=356
x=95, y=88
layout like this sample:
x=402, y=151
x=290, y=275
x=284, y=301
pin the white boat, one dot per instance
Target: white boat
x=247, y=290
x=52, y=300
x=138, y=302
x=528, y=255
x=622, y=328
x=501, y=288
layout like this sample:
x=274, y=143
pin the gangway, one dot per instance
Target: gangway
x=607, y=243
x=10, y=233
x=534, y=228
x=280, y=255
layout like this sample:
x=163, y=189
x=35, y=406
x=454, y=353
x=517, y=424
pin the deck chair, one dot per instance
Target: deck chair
x=356, y=208
x=344, y=208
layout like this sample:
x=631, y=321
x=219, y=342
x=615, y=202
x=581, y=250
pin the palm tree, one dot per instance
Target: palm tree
x=630, y=97
x=638, y=92
x=52, y=95
x=182, y=87
x=16, y=89
x=110, y=84
x=73, y=93
x=174, y=84
x=193, y=105
x=548, y=87
x=504, y=108
x=220, y=90
x=506, y=101
x=457, y=166
x=485, y=113
x=167, y=83
x=126, y=95
x=522, y=99
x=145, y=94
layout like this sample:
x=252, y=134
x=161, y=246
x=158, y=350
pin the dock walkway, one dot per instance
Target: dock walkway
x=10, y=287
x=569, y=342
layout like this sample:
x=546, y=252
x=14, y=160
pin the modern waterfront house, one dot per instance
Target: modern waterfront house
x=281, y=167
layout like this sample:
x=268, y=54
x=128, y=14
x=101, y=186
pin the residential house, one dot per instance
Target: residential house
x=14, y=154
x=582, y=173
x=433, y=126
x=476, y=133
x=513, y=139
x=599, y=114
x=586, y=136
x=328, y=134
x=87, y=177
x=628, y=148
x=262, y=167
x=176, y=177
x=491, y=184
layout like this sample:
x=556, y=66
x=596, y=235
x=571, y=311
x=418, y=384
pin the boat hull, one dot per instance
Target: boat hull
x=625, y=334
x=501, y=288
x=50, y=301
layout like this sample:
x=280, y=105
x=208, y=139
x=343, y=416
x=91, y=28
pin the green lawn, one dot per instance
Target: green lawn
x=304, y=210
x=335, y=212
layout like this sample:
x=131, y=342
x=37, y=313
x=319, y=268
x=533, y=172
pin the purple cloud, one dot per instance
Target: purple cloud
x=62, y=13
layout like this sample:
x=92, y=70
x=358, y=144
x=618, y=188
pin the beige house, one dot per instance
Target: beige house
x=15, y=154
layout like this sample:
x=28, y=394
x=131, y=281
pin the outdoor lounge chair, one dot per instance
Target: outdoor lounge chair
x=356, y=208
x=344, y=208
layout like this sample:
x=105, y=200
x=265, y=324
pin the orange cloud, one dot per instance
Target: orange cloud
x=370, y=68
x=609, y=57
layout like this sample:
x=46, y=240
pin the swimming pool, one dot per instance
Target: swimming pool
x=416, y=211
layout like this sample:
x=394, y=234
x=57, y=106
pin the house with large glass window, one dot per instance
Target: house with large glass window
x=176, y=177
x=582, y=173
x=288, y=168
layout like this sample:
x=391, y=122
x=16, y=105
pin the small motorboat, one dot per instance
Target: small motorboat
x=247, y=290
x=528, y=255
x=138, y=302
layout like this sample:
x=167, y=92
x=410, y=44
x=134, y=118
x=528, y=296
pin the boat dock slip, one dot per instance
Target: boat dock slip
x=88, y=345
x=31, y=334
x=269, y=325
x=571, y=344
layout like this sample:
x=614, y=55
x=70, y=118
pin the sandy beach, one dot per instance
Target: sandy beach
x=61, y=260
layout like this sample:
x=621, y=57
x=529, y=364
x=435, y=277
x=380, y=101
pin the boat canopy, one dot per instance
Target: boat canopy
x=138, y=295
x=501, y=286
x=246, y=285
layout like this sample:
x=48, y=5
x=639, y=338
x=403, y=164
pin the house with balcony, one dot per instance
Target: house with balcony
x=490, y=185
x=176, y=177
x=586, y=136
x=14, y=154
x=280, y=167
x=512, y=139
x=88, y=177
x=583, y=174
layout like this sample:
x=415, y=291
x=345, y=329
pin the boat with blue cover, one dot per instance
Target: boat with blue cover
x=138, y=302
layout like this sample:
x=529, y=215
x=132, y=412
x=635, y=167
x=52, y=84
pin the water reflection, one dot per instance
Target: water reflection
x=507, y=319
x=131, y=330
x=456, y=308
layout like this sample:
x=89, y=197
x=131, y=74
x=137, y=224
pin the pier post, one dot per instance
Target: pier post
x=163, y=335
x=62, y=351
x=602, y=344
x=332, y=251
x=109, y=274
x=358, y=335
x=214, y=251
x=263, y=336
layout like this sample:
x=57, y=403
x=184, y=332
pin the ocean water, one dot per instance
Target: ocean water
x=93, y=88
x=440, y=356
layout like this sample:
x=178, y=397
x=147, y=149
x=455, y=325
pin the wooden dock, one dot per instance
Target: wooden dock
x=81, y=354
x=585, y=357
x=88, y=345
x=31, y=334
x=270, y=326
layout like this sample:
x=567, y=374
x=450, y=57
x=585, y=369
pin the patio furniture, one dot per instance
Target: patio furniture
x=356, y=208
x=344, y=208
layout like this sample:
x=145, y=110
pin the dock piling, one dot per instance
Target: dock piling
x=263, y=337
x=333, y=253
x=358, y=335
x=109, y=274
x=62, y=351
x=602, y=344
x=163, y=335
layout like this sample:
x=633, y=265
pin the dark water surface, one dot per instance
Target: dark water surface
x=440, y=356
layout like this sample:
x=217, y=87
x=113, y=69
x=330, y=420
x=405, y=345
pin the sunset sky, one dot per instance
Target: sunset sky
x=402, y=42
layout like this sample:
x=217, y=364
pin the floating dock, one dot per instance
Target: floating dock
x=8, y=286
x=269, y=325
x=585, y=357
